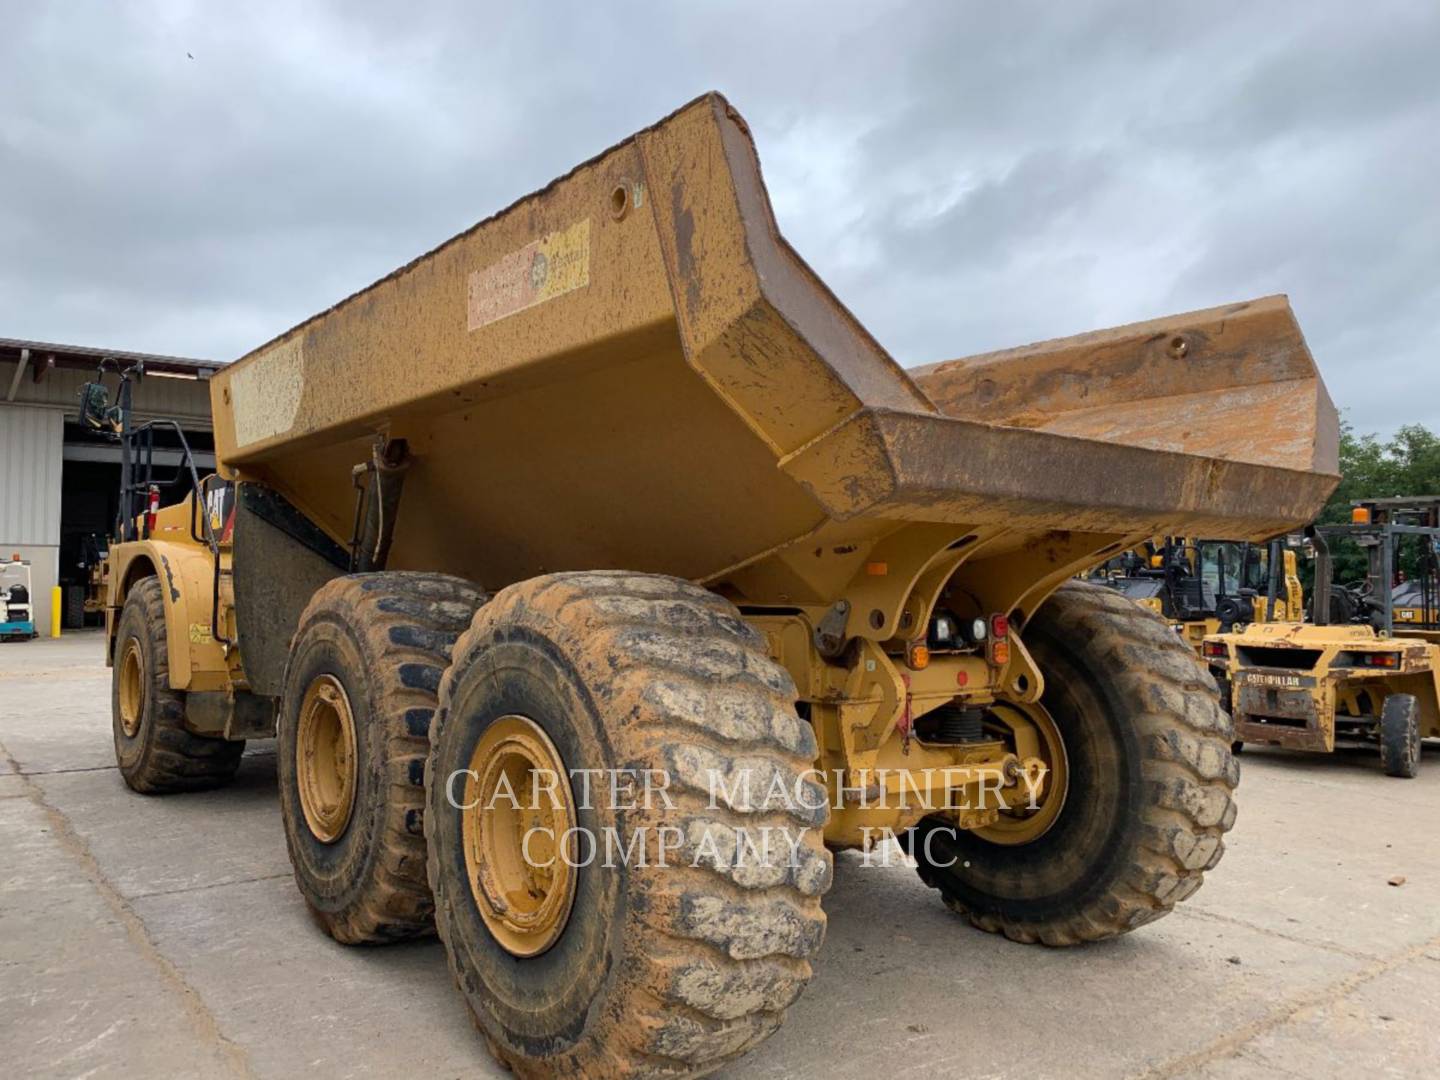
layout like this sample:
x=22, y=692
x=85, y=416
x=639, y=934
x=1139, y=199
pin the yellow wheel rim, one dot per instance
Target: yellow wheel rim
x=132, y=688
x=1024, y=825
x=325, y=758
x=517, y=827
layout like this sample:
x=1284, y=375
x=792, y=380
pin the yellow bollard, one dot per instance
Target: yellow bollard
x=55, y=607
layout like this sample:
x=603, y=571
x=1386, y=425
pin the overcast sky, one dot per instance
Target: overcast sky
x=966, y=176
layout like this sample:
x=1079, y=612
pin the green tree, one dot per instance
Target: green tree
x=1406, y=464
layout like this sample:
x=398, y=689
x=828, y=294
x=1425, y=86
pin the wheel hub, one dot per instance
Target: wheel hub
x=132, y=688
x=517, y=828
x=326, y=769
x=1022, y=824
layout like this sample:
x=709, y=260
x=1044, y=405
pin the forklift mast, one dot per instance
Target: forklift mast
x=1381, y=527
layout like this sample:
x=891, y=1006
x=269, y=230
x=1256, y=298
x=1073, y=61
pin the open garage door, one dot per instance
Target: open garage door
x=89, y=503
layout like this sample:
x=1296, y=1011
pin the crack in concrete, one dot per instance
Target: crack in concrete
x=1237, y=1041
x=211, y=885
x=1294, y=939
x=96, y=768
x=1260, y=1061
x=201, y=1018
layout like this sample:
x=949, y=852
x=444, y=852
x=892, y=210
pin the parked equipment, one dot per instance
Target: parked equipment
x=17, y=612
x=1204, y=587
x=612, y=482
x=1371, y=676
x=85, y=600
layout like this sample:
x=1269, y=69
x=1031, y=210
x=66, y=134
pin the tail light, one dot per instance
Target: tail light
x=1388, y=660
x=152, y=507
x=917, y=656
x=999, y=648
x=1216, y=650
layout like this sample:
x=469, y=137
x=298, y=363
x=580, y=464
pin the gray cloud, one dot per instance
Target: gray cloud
x=967, y=176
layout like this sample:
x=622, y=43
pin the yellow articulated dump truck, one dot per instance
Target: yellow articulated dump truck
x=600, y=575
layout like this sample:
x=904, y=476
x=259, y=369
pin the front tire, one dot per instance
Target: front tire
x=1150, y=784
x=669, y=963
x=1400, y=736
x=358, y=699
x=156, y=753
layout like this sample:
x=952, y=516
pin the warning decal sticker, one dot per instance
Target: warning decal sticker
x=542, y=270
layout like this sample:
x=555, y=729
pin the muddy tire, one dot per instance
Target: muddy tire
x=1400, y=736
x=656, y=970
x=156, y=753
x=354, y=730
x=1151, y=778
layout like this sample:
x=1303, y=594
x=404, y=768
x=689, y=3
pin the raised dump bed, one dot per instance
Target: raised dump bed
x=705, y=526
x=632, y=368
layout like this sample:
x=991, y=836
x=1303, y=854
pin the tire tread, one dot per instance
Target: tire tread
x=724, y=947
x=176, y=759
x=1189, y=771
x=407, y=623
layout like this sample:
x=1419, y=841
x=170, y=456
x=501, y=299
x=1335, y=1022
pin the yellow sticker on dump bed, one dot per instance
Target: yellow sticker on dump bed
x=542, y=270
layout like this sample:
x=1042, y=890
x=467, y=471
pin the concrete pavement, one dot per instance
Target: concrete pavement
x=164, y=937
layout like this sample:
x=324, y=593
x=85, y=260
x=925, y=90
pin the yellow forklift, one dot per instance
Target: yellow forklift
x=1362, y=670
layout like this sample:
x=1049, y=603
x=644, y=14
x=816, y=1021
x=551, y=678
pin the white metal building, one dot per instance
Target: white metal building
x=59, y=482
